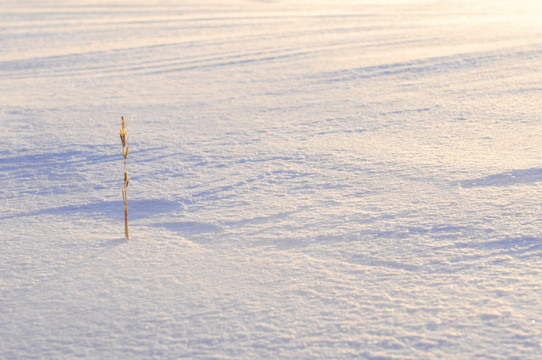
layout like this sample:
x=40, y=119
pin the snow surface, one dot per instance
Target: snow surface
x=309, y=179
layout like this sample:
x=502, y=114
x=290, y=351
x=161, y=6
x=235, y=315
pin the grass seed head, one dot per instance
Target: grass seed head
x=125, y=149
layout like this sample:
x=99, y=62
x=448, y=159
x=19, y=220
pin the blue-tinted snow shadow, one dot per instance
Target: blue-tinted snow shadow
x=514, y=177
x=258, y=220
x=45, y=161
x=189, y=227
x=287, y=243
x=49, y=162
x=137, y=209
x=370, y=261
x=114, y=242
x=522, y=246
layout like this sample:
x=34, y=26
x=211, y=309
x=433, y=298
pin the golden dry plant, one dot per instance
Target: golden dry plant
x=126, y=179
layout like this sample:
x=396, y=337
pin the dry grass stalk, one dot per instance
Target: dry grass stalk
x=126, y=179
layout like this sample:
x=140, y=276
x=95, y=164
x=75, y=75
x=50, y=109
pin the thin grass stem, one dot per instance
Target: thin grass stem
x=125, y=150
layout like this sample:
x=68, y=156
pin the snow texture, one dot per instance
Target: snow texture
x=309, y=179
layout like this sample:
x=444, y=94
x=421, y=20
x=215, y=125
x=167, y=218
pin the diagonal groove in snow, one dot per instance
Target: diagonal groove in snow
x=508, y=178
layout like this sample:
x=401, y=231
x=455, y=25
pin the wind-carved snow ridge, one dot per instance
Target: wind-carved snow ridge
x=522, y=247
x=515, y=177
x=308, y=179
x=420, y=68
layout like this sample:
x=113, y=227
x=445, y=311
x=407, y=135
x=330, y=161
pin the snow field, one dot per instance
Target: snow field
x=308, y=180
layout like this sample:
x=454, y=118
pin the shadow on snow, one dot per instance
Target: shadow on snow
x=137, y=209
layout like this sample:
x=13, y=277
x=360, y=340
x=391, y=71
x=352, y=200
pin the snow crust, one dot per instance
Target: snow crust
x=309, y=179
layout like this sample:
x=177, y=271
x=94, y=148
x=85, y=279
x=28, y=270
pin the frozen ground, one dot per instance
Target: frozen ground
x=319, y=179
